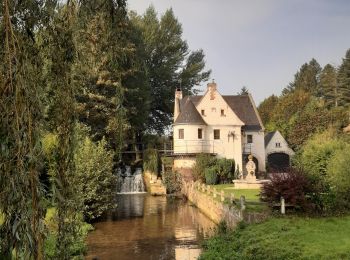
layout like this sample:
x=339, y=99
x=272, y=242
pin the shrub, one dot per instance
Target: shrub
x=151, y=161
x=76, y=249
x=315, y=159
x=225, y=169
x=172, y=181
x=293, y=186
x=317, y=152
x=94, y=179
x=338, y=172
x=203, y=161
x=211, y=176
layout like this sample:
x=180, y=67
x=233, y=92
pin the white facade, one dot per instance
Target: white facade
x=277, y=144
x=256, y=148
x=210, y=125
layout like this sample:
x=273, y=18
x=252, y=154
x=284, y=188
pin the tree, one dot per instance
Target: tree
x=61, y=78
x=169, y=64
x=20, y=117
x=313, y=118
x=244, y=91
x=329, y=86
x=344, y=80
x=307, y=79
x=102, y=52
x=267, y=107
x=287, y=110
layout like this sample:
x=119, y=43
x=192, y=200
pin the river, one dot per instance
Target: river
x=149, y=227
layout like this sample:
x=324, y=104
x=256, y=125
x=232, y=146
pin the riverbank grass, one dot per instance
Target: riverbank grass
x=284, y=238
x=250, y=194
x=253, y=203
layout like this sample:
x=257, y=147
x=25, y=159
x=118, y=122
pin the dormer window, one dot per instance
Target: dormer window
x=203, y=112
x=222, y=112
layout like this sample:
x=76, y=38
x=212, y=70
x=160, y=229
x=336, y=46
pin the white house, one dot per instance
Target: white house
x=224, y=126
x=277, y=151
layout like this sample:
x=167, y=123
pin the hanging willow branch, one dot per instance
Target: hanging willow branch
x=21, y=232
x=62, y=53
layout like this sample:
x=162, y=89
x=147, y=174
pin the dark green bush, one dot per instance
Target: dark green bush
x=225, y=169
x=172, y=181
x=203, y=161
x=211, y=176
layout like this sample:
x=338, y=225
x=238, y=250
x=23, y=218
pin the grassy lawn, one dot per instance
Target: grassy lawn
x=250, y=195
x=284, y=238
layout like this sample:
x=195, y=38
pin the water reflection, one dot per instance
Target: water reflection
x=147, y=227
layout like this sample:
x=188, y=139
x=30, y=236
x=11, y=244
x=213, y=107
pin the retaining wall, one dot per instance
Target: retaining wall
x=212, y=208
x=215, y=209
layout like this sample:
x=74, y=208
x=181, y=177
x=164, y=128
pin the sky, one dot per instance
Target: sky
x=260, y=44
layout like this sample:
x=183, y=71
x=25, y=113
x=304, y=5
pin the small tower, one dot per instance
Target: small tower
x=178, y=97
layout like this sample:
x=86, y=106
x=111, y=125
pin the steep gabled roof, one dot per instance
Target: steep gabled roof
x=244, y=109
x=241, y=105
x=268, y=137
x=189, y=113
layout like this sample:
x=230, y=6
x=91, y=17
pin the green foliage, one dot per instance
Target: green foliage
x=209, y=169
x=329, y=86
x=168, y=62
x=151, y=161
x=314, y=118
x=344, y=80
x=225, y=169
x=94, y=179
x=203, y=161
x=283, y=238
x=266, y=109
x=338, y=173
x=318, y=157
x=172, y=181
x=77, y=248
x=211, y=176
x=20, y=123
x=317, y=153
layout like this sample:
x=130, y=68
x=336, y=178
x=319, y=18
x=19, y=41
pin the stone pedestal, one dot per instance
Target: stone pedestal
x=249, y=184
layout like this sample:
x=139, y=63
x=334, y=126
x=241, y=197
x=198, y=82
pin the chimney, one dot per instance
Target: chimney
x=211, y=88
x=178, y=97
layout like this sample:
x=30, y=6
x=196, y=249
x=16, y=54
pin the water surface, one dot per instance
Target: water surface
x=148, y=227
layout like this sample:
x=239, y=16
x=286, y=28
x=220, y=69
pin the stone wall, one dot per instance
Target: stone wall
x=213, y=209
x=216, y=206
x=154, y=186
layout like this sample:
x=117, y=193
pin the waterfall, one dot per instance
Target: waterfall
x=130, y=183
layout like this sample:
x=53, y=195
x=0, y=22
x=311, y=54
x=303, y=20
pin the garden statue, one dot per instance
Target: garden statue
x=250, y=169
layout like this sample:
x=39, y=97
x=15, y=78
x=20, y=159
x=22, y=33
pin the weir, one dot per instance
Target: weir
x=129, y=182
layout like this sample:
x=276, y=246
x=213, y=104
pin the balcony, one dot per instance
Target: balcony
x=198, y=146
x=247, y=148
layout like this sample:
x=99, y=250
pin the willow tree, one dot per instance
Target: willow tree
x=62, y=55
x=20, y=110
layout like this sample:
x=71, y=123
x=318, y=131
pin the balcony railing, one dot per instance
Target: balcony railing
x=247, y=148
x=198, y=146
